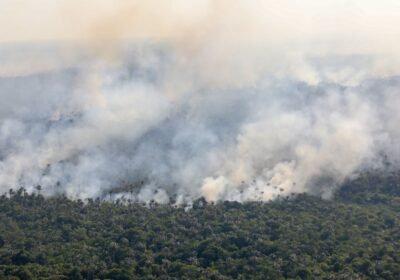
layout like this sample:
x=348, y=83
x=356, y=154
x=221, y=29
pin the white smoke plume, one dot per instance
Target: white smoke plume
x=243, y=100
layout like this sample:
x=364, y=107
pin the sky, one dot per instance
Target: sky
x=24, y=20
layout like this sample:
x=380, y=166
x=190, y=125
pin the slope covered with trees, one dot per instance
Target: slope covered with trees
x=354, y=236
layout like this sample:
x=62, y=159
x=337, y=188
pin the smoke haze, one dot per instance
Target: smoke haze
x=244, y=100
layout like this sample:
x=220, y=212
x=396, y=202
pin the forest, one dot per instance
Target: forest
x=355, y=235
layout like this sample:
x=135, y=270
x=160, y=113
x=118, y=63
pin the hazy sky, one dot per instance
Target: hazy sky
x=28, y=20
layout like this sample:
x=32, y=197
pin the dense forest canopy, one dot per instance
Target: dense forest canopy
x=356, y=235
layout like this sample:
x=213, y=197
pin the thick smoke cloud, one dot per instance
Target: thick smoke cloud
x=244, y=101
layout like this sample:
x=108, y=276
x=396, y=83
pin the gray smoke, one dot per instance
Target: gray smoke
x=244, y=101
x=93, y=126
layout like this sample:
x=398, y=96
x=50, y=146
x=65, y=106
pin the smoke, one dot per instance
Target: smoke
x=241, y=101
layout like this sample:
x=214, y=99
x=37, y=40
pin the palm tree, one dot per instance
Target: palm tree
x=38, y=188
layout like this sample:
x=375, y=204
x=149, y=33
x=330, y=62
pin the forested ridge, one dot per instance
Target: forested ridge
x=356, y=235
